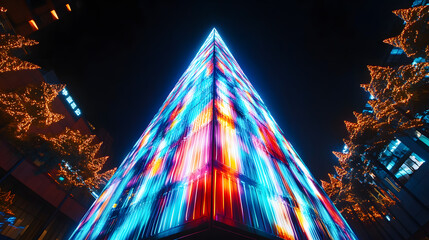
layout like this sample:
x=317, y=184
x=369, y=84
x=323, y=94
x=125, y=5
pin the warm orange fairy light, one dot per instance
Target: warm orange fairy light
x=31, y=106
x=54, y=15
x=68, y=7
x=8, y=62
x=6, y=201
x=33, y=25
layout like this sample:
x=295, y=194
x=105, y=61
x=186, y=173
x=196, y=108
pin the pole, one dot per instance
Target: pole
x=12, y=169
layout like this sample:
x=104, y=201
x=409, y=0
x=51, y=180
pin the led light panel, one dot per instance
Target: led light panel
x=213, y=153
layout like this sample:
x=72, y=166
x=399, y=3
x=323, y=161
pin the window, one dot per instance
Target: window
x=409, y=167
x=418, y=60
x=396, y=51
x=422, y=138
x=400, y=160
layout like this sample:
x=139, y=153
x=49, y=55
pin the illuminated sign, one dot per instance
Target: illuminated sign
x=71, y=102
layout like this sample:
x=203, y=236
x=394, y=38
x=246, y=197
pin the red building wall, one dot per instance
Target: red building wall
x=28, y=173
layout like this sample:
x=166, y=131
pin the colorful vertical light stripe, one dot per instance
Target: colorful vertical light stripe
x=213, y=152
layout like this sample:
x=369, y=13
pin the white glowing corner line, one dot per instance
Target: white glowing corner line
x=95, y=195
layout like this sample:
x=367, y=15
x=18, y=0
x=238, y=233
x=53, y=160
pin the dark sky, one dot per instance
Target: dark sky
x=305, y=58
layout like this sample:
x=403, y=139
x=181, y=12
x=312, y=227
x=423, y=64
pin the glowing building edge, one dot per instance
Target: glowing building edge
x=213, y=157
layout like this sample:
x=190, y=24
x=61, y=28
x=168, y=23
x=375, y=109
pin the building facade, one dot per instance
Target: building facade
x=24, y=17
x=38, y=207
x=38, y=194
x=213, y=163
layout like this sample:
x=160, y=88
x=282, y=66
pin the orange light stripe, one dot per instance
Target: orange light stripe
x=54, y=15
x=33, y=25
x=214, y=195
x=205, y=192
x=230, y=195
x=223, y=195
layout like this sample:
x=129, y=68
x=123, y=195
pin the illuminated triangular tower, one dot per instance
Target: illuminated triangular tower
x=213, y=163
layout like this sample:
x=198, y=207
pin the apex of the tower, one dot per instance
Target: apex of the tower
x=214, y=33
x=213, y=36
x=216, y=36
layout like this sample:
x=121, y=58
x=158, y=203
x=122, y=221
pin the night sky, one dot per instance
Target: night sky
x=306, y=59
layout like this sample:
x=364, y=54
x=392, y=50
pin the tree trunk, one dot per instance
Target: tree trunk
x=361, y=224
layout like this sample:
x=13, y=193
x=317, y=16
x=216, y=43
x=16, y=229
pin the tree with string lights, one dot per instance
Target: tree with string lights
x=24, y=109
x=399, y=94
x=80, y=165
x=356, y=196
x=9, y=63
x=30, y=106
x=414, y=39
x=71, y=155
x=399, y=99
x=6, y=214
x=6, y=201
